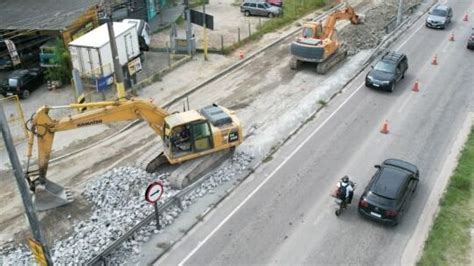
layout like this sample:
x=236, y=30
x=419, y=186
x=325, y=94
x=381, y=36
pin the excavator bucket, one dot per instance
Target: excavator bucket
x=51, y=195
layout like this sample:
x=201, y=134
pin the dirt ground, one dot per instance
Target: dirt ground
x=270, y=104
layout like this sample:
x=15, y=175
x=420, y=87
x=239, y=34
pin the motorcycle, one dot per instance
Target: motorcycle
x=341, y=205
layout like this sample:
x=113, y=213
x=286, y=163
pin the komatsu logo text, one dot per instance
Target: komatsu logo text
x=90, y=123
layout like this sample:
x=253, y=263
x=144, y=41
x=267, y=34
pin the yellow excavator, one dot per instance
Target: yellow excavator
x=318, y=44
x=185, y=135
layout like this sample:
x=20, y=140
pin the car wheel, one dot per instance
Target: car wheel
x=246, y=13
x=392, y=87
x=25, y=94
x=270, y=15
x=403, y=75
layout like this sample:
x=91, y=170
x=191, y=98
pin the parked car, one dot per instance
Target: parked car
x=260, y=8
x=22, y=82
x=439, y=17
x=387, y=72
x=387, y=195
x=470, y=40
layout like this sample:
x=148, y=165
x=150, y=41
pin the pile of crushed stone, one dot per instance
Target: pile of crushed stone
x=117, y=199
x=370, y=34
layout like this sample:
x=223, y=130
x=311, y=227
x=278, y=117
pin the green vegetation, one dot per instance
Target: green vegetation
x=323, y=103
x=61, y=57
x=292, y=11
x=449, y=239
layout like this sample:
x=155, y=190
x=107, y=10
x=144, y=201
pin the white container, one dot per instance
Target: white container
x=91, y=53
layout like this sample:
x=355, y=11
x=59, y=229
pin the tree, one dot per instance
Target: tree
x=61, y=71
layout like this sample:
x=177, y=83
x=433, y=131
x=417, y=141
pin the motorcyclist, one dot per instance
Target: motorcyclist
x=346, y=189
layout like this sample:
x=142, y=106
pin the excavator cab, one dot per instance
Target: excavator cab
x=193, y=133
x=184, y=139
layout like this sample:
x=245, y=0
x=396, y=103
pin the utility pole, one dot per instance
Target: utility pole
x=187, y=14
x=22, y=186
x=205, y=28
x=113, y=45
x=399, y=14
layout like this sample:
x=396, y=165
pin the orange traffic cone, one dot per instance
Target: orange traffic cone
x=241, y=54
x=384, y=129
x=435, y=60
x=466, y=17
x=416, y=86
x=451, y=37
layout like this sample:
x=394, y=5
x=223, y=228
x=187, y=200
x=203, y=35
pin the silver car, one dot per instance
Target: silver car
x=260, y=9
x=439, y=17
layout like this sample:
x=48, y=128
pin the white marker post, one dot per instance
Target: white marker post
x=152, y=195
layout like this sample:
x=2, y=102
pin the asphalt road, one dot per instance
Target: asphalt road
x=283, y=213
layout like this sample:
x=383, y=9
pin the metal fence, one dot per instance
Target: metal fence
x=15, y=118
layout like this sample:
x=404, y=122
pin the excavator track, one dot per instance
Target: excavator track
x=324, y=67
x=156, y=163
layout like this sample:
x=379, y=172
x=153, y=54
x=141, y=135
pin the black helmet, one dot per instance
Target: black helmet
x=345, y=179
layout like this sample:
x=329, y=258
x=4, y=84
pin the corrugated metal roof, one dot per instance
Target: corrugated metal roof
x=41, y=14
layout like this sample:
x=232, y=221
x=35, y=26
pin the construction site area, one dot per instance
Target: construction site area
x=244, y=106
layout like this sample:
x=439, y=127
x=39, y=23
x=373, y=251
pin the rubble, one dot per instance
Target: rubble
x=118, y=204
x=371, y=33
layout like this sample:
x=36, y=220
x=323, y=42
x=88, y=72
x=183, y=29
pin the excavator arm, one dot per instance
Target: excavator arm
x=347, y=13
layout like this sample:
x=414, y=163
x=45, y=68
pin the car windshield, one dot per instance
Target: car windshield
x=438, y=12
x=384, y=67
x=12, y=82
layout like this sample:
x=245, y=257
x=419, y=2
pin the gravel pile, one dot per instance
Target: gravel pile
x=370, y=34
x=118, y=204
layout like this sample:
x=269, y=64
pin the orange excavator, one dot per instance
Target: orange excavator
x=318, y=44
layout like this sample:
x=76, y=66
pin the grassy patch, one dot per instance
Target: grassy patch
x=292, y=11
x=449, y=239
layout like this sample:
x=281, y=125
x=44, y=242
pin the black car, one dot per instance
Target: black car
x=470, y=40
x=439, y=17
x=22, y=82
x=388, y=192
x=387, y=72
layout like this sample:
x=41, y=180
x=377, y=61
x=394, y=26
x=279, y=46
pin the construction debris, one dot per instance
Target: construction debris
x=376, y=20
x=118, y=204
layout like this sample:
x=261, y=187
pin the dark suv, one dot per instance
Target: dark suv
x=388, y=192
x=439, y=17
x=470, y=40
x=22, y=82
x=387, y=72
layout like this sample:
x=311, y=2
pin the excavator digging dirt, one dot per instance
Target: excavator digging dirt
x=186, y=136
x=318, y=44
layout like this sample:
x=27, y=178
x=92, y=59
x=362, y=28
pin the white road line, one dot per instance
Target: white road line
x=201, y=243
x=402, y=106
x=409, y=37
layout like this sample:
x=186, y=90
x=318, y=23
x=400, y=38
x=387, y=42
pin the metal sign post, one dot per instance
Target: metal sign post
x=42, y=250
x=152, y=195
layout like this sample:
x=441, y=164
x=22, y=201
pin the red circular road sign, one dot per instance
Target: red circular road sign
x=153, y=192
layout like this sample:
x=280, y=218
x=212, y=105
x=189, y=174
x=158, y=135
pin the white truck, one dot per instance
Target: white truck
x=91, y=53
